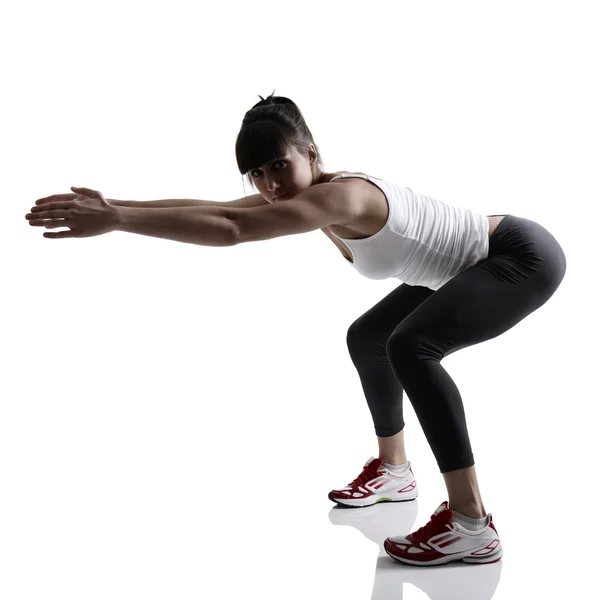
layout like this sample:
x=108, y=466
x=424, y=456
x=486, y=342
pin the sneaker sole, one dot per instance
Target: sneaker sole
x=356, y=503
x=474, y=560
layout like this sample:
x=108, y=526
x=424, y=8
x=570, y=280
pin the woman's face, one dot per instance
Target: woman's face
x=287, y=175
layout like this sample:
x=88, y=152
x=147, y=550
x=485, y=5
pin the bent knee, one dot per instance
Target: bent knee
x=404, y=345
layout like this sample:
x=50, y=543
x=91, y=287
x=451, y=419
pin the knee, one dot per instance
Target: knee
x=356, y=337
x=363, y=341
x=402, y=346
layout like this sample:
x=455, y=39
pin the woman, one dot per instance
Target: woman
x=466, y=278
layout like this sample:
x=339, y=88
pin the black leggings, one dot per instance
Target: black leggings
x=398, y=344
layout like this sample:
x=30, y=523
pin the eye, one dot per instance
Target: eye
x=275, y=163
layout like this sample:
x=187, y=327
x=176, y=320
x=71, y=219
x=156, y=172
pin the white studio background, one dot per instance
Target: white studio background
x=173, y=416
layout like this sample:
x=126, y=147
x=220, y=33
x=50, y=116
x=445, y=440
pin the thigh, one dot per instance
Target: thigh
x=479, y=304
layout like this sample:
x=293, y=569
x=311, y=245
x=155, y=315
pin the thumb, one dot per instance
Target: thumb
x=79, y=190
x=89, y=193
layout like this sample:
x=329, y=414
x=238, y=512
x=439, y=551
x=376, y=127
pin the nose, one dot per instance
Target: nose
x=272, y=187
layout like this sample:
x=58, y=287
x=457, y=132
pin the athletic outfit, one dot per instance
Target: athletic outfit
x=459, y=288
x=424, y=242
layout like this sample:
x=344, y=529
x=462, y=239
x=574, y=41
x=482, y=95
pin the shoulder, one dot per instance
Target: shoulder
x=347, y=199
x=368, y=207
x=360, y=189
x=348, y=175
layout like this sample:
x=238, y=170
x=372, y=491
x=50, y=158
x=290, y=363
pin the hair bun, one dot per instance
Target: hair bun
x=272, y=99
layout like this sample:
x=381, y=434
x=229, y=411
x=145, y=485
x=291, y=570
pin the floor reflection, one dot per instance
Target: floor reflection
x=455, y=580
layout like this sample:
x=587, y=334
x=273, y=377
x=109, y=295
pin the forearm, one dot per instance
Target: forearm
x=160, y=203
x=203, y=225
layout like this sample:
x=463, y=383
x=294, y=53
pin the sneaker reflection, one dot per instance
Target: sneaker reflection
x=452, y=581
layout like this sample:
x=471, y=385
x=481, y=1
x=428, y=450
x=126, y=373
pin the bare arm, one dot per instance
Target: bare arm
x=316, y=207
x=205, y=225
x=245, y=202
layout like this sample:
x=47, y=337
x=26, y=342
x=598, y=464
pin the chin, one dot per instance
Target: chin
x=288, y=196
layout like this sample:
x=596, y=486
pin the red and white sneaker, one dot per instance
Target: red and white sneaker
x=377, y=484
x=443, y=540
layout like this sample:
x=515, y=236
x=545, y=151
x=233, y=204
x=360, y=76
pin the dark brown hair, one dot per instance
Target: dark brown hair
x=269, y=129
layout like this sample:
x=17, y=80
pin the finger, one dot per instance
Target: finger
x=50, y=206
x=42, y=217
x=58, y=234
x=49, y=223
x=56, y=198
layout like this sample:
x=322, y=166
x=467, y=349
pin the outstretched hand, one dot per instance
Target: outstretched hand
x=86, y=213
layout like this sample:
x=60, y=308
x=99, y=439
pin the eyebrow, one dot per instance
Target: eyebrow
x=271, y=162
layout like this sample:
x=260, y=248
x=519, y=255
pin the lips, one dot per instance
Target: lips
x=282, y=195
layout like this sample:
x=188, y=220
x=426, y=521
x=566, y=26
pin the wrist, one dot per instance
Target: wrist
x=117, y=216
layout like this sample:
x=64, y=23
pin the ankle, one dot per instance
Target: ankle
x=474, y=511
x=393, y=460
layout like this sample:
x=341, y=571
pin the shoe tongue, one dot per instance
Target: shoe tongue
x=374, y=463
x=441, y=508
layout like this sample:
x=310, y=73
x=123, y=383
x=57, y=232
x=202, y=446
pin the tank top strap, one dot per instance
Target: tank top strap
x=345, y=175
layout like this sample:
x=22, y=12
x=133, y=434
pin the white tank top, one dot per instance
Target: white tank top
x=424, y=242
